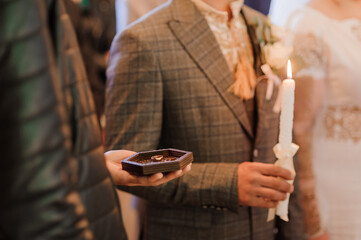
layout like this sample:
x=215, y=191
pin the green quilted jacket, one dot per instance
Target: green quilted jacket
x=53, y=180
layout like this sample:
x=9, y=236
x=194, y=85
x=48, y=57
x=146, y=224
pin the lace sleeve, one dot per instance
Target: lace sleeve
x=305, y=110
x=306, y=35
x=309, y=94
x=310, y=57
x=310, y=53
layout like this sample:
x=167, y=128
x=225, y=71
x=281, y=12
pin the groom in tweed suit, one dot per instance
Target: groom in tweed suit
x=168, y=86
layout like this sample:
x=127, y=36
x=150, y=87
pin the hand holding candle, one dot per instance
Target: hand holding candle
x=285, y=149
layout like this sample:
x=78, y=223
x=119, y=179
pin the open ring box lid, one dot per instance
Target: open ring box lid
x=140, y=163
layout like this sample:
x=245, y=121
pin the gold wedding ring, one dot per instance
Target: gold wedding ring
x=157, y=157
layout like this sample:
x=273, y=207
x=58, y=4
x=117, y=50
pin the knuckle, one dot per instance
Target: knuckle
x=253, y=179
x=281, y=172
x=286, y=174
x=283, y=196
x=286, y=187
x=273, y=204
x=272, y=169
x=292, y=189
x=247, y=190
x=273, y=195
x=247, y=167
x=274, y=182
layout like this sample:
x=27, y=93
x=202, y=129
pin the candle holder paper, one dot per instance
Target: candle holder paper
x=140, y=164
x=285, y=160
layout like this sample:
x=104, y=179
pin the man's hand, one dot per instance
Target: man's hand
x=262, y=185
x=323, y=236
x=120, y=177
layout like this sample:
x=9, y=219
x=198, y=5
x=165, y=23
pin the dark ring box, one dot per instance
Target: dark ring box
x=140, y=164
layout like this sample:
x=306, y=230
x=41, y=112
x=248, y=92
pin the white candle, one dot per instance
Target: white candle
x=288, y=99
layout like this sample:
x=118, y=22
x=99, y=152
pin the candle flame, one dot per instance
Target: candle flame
x=289, y=69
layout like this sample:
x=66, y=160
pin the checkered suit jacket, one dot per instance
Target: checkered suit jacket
x=168, y=87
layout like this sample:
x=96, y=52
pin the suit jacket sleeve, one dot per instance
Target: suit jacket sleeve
x=134, y=102
x=38, y=173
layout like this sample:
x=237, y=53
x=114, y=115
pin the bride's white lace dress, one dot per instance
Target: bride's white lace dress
x=329, y=103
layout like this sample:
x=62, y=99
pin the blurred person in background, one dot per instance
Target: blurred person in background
x=259, y=5
x=94, y=25
x=327, y=43
x=130, y=10
x=280, y=10
x=54, y=181
x=53, y=178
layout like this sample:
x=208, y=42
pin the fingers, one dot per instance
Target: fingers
x=262, y=197
x=270, y=194
x=120, y=177
x=263, y=185
x=154, y=178
x=171, y=176
x=275, y=171
x=277, y=184
x=263, y=203
x=117, y=155
x=187, y=168
x=323, y=236
x=158, y=178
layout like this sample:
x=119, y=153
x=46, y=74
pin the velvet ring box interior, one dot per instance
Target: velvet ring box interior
x=163, y=160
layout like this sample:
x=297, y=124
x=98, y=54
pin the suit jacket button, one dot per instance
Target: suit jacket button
x=255, y=153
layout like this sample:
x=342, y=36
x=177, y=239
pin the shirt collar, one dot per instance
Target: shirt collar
x=235, y=5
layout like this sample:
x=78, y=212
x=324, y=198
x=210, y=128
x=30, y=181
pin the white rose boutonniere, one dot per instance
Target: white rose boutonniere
x=274, y=53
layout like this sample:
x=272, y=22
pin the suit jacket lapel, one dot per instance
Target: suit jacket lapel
x=261, y=87
x=247, y=16
x=193, y=32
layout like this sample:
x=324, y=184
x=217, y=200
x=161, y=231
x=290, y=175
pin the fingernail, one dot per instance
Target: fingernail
x=159, y=176
x=292, y=189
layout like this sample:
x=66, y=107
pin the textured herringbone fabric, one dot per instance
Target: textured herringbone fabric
x=168, y=86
